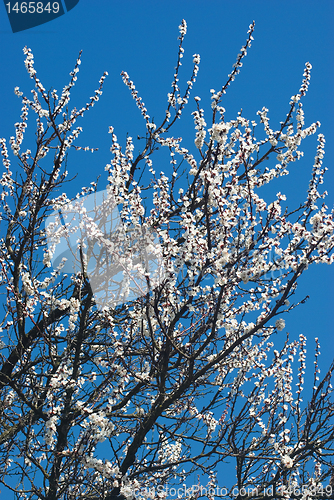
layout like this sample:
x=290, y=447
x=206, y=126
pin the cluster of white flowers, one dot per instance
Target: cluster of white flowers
x=219, y=132
x=29, y=61
x=100, y=425
x=62, y=377
x=106, y=468
x=280, y=324
x=183, y=28
x=200, y=127
x=74, y=305
x=139, y=102
x=209, y=420
x=6, y=180
x=169, y=452
x=306, y=81
x=50, y=430
x=287, y=461
x=27, y=283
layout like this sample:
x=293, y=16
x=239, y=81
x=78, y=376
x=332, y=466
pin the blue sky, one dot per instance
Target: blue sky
x=140, y=37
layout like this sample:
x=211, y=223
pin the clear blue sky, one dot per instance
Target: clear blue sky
x=140, y=37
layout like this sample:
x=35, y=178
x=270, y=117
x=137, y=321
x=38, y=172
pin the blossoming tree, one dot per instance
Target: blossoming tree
x=134, y=398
